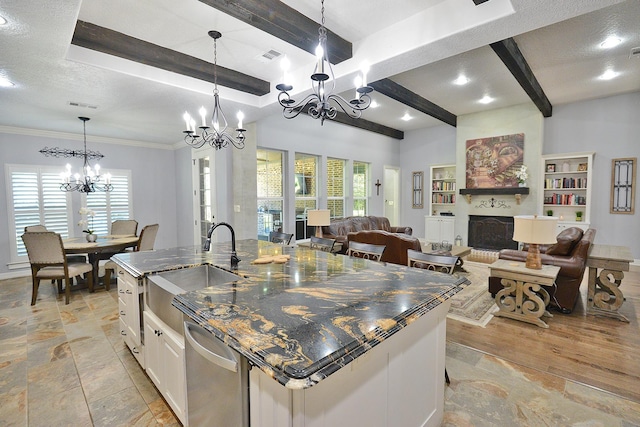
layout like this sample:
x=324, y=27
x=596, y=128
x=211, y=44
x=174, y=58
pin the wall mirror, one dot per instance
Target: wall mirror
x=623, y=185
x=418, y=190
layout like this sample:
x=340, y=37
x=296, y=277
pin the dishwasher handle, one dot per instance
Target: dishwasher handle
x=223, y=362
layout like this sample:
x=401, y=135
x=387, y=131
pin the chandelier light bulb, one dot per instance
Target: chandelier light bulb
x=357, y=82
x=203, y=115
x=187, y=120
x=240, y=117
x=364, y=67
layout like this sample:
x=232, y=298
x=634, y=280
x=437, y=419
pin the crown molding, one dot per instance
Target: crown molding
x=79, y=137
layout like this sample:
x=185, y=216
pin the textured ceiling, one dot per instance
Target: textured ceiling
x=421, y=44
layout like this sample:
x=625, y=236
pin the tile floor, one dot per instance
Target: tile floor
x=66, y=365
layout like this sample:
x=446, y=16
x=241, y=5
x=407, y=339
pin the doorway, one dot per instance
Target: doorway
x=391, y=194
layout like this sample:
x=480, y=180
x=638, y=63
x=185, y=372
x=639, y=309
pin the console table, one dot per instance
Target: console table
x=604, y=296
x=523, y=297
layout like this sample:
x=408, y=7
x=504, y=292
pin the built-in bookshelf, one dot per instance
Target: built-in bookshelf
x=443, y=188
x=566, y=184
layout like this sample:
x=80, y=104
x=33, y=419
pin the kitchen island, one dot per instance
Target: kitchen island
x=346, y=340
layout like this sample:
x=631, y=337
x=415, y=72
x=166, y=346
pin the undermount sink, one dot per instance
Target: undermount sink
x=162, y=287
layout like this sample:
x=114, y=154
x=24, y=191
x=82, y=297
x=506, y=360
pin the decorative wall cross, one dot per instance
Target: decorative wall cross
x=377, y=184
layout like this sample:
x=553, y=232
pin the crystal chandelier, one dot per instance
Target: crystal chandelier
x=89, y=181
x=218, y=137
x=319, y=104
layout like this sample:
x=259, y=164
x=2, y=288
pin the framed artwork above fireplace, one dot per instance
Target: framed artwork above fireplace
x=493, y=162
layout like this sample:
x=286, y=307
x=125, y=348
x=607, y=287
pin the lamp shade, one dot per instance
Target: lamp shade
x=319, y=217
x=535, y=229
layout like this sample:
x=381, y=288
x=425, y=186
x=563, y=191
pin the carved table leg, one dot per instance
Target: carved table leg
x=525, y=301
x=604, y=296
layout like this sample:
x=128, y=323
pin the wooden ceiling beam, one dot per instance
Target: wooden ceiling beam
x=343, y=118
x=508, y=51
x=276, y=18
x=111, y=42
x=401, y=94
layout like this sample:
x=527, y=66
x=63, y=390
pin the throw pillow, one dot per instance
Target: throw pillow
x=566, y=241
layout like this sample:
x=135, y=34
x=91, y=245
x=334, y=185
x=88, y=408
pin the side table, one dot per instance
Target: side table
x=523, y=297
x=604, y=296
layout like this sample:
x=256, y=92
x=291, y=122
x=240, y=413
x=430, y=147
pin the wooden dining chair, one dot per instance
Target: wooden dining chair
x=441, y=263
x=278, y=237
x=146, y=241
x=322, y=244
x=124, y=227
x=70, y=258
x=365, y=250
x=48, y=261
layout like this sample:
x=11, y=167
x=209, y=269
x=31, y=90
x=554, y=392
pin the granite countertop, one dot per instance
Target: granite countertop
x=302, y=320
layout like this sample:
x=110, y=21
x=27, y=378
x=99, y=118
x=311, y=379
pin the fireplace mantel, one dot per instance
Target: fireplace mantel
x=517, y=192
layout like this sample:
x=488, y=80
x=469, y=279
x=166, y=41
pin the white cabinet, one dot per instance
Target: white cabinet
x=442, y=189
x=165, y=363
x=129, y=303
x=438, y=229
x=566, y=188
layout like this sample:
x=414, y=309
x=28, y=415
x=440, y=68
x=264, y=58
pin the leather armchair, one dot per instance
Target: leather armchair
x=570, y=254
x=396, y=244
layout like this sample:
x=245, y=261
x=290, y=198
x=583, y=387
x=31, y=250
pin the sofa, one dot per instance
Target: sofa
x=570, y=254
x=396, y=244
x=339, y=228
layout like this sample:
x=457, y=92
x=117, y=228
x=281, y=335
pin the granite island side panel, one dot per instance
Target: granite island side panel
x=300, y=321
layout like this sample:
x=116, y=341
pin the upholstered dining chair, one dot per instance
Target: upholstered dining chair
x=126, y=227
x=278, y=237
x=48, y=261
x=146, y=241
x=322, y=244
x=441, y=263
x=40, y=227
x=433, y=262
x=365, y=250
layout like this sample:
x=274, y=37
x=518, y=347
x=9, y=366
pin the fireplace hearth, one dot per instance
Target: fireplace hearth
x=491, y=232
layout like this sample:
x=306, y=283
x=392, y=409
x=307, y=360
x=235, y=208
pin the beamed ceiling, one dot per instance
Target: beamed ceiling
x=139, y=65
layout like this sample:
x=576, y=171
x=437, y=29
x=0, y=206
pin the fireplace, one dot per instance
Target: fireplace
x=491, y=232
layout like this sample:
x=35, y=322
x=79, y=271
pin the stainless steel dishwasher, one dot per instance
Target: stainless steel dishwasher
x=217, y=380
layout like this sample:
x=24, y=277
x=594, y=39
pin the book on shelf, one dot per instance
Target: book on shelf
x=558, y=183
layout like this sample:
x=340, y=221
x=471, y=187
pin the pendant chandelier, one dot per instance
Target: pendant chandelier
x=321, y=104
x=217, y=136
x=89, y=181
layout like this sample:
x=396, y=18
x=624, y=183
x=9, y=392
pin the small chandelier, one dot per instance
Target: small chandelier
x=218, y=137
x=89, y=182
x=319, y=104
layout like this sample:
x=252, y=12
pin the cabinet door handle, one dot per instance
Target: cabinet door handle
x=120, y=272
x=129, y=292
x=157, y=332
x=121, y=291
x=123, y=333
x=135, y=350
x=122, y=313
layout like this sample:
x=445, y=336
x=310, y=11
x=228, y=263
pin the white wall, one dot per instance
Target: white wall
x=152, y=177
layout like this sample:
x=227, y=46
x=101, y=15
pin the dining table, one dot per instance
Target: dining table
x=102, y=249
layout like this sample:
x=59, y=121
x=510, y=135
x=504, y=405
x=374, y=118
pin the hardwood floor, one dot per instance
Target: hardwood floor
x=596, y=351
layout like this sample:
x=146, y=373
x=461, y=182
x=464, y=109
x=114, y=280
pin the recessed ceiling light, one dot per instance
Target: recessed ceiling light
x=374, y=104
x=608, y=75
x=486, y=100
x=461, y=80
x=611, y=41
x=406, y=117
x=4, y=82
x=2, y=20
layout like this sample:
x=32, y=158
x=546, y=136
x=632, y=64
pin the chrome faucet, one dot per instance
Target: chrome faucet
x=207, y=244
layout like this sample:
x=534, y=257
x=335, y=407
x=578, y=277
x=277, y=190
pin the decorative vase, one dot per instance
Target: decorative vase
x=522, y=184
x=91, y=237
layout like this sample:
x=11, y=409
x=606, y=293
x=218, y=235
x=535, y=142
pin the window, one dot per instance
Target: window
x=270, y=192
x=113, y=205
x=34, y=197
x=360, y=188
x=306, y=190
x=335, y=187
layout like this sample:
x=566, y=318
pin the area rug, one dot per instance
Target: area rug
x=473, y=304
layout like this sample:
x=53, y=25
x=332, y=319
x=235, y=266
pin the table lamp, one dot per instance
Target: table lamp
x=534, y=230
x=318, y=218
